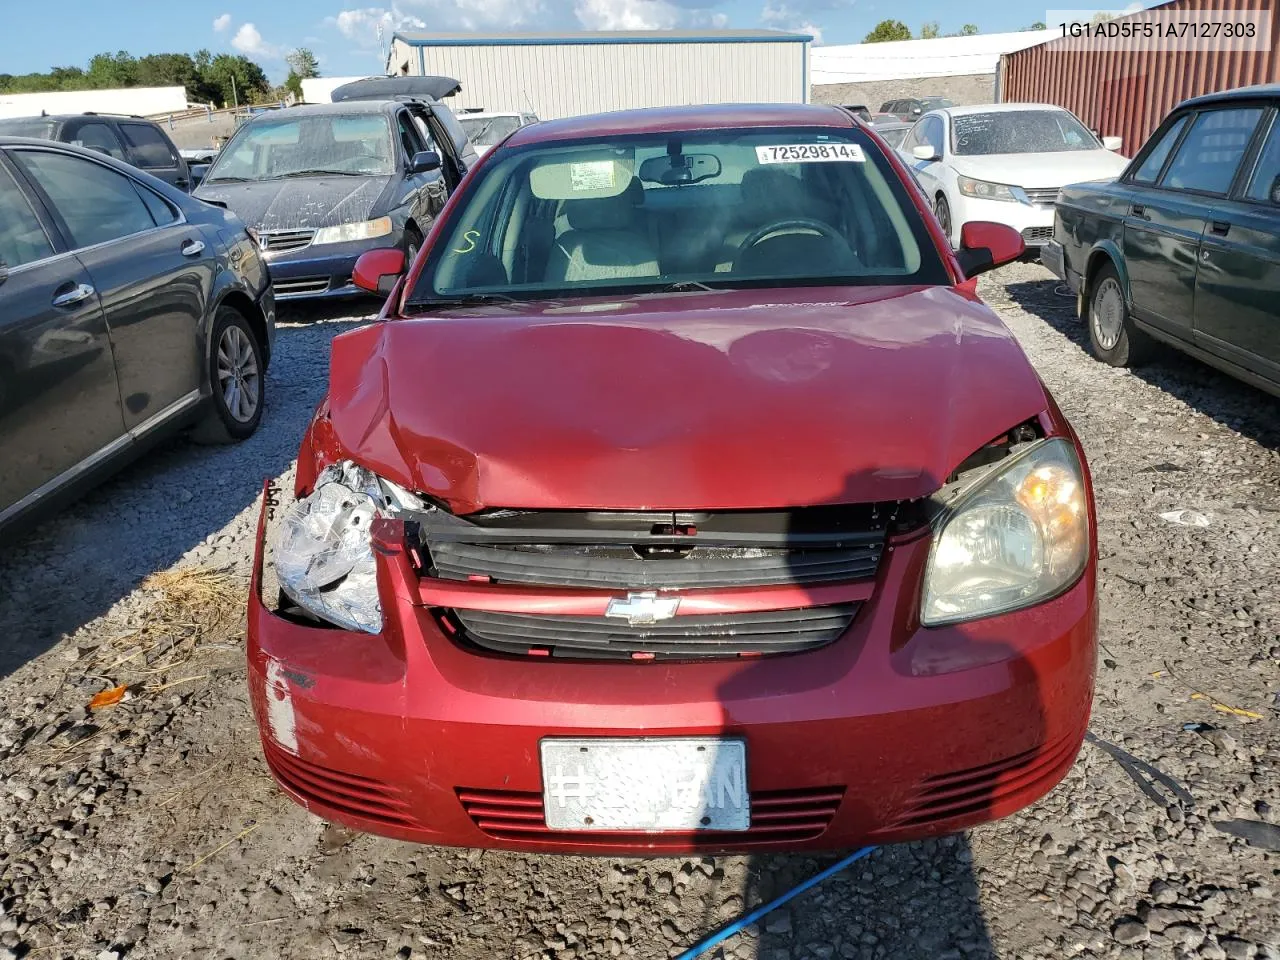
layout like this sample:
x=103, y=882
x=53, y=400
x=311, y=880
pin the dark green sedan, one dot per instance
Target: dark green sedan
x=1184, y=247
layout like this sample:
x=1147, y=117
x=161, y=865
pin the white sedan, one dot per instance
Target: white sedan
x=1005, y=162
x=488, y=128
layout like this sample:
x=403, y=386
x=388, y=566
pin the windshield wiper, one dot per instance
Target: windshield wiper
x=469, y=300
x=319, y=172
x=686, y=286
x=226, y=180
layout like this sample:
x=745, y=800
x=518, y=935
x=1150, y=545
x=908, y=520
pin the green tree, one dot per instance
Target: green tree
x=235, y=79
x=930, y=30
x=111, y=70
x=1102, y=17
x=888, y=30
x=1038, y=25
x=969, y=30
x=302, y=63
x=168, y=70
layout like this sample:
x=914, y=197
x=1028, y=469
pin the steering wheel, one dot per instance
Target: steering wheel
x=791, y=225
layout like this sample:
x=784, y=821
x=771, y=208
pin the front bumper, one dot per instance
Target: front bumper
x=321, y=272
x=1033, y=221
x=890, y=733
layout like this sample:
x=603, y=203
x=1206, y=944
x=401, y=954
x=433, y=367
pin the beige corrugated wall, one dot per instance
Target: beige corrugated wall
x=564, y=80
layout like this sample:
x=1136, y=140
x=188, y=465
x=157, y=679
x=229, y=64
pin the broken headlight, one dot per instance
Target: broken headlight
x=323, y=555
x=1020, y=537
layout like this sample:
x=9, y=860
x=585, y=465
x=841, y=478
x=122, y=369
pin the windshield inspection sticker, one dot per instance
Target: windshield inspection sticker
x=591, y=175
x=811, y=153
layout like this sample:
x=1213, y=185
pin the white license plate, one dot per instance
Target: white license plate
x=648, y=785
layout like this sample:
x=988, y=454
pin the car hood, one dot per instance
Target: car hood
x=299, y=203
x=1042, y=169
x=734, y=400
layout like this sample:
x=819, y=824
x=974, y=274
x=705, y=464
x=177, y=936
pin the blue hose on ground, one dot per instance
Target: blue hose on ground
x=737, y=926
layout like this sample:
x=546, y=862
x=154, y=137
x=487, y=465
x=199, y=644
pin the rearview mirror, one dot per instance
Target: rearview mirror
x=424, y=162
x=680, y=168
x=1112, y=143
x=378, y=270
x=925, y=152
x=985, y=246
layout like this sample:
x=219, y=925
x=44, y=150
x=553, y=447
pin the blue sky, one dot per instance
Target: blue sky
x=343, y=35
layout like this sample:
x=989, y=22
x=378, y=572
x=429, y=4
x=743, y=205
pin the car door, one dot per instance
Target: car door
x=1166, y=221
x=1236, y=315
x=419, y=197
x=59, y=402
x=153, y=272
x=150, y=150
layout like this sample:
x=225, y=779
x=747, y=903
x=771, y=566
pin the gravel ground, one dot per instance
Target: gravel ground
x=151, y=829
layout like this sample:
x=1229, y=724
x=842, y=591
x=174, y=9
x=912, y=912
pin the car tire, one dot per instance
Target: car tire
x=1113, y=337
x=942, y=210
x=236, y=379
x=412, y=244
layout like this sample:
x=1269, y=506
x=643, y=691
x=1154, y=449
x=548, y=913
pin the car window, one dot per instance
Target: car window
x=98, y=136
x=1265, y=184
x=96, y=203
x=450, y=124
x=288, y=145
x=750, y=208
x=150, y=150
x=932, y=133
x=893, y=137
x=161, y=210
x=35, y=127
x=1210, y=154
x=409, y=138
x=22, y=239
x=1153, y=163
x=1019, y=131
x=487, y=131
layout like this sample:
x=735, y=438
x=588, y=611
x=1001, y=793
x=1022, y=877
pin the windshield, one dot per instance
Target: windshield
x=313, y=145
x=28, y=127
x=934, y=103
x=1019, y=131
x=486, y=131
x=718, y=209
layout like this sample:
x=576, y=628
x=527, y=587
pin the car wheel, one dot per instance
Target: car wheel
x=1112, y=335
x=942, y=210
x=236, y=371
x=412, y=244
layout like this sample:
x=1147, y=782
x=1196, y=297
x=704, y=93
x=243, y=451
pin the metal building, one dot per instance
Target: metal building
x=1126, y=92
x=563, y=75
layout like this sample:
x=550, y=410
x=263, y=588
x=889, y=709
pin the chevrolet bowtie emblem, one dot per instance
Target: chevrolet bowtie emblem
x=642, y=608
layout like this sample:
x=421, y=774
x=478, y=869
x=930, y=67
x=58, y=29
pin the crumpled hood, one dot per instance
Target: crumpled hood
x=294, y=204
x=689, y=401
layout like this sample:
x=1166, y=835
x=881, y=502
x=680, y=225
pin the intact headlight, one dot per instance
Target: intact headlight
x=323, y=556
x=345, y=232
x=983, y=190
x=1019, y=538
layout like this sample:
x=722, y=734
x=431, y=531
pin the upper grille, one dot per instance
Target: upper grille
x=1042, y=195
x=305, y=285
x=280, y=241
x=733, y=634
x=776, y=815
x=627, y=550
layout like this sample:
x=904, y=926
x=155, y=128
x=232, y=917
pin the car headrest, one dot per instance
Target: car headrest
x=606, y=213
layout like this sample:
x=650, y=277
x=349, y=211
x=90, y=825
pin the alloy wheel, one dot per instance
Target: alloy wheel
x=1108, y=314
x=239, y=380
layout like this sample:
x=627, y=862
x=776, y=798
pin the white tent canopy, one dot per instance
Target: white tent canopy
x=907, y=59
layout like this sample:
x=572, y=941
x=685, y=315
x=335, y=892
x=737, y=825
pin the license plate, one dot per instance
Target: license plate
x=648, y=785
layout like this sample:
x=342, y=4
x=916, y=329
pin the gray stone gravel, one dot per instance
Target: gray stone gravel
x=151, y=829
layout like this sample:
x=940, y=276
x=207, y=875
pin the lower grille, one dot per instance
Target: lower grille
x=305, y=285
x=1037, y=235
x=1045, y=196
x=280, y=241
x=725, y=635
x=779, y=815
x=344, y=792
x=975, y=790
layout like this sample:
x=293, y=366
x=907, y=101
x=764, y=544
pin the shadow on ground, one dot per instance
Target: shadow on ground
x=1236, y=405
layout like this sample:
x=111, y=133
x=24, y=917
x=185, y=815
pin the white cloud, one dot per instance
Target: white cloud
x=221, y=23
x=249, y=42
x=644, y=15
x=779, y=16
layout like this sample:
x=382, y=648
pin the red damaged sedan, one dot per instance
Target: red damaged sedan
x=685, y=497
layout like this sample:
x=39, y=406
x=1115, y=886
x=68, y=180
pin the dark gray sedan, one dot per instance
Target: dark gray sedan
x=128, y=310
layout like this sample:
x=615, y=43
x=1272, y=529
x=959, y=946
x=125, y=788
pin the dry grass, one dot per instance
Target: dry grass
x=193, y=607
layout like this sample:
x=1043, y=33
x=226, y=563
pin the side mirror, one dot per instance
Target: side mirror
x=985, y=246
x=916, y=111
x=424, y=162
x=377, y=271
x=1112, y=143
x=925, y=152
